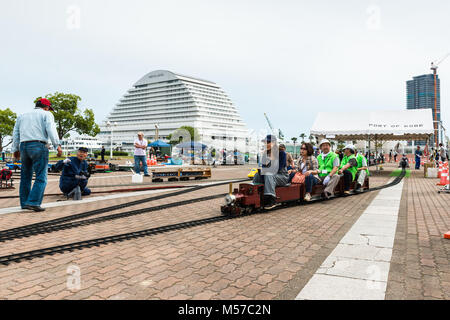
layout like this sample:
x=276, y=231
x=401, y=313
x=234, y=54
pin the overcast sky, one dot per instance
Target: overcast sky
x=290, y=59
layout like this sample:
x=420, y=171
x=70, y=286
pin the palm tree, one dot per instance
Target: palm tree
x=333, y=143
x=303, y=136
x=311, y=140
x=294, y=140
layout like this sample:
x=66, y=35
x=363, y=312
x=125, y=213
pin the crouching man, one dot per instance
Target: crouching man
x=75, y=175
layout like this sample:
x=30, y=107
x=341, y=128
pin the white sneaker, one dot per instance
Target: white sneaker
x=307, y=197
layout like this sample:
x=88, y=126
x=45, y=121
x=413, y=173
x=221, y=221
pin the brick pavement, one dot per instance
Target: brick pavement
x=420, y=265
x=257, y=257
x=265, y=256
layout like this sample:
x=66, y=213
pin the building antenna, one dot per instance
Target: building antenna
x=434, y=67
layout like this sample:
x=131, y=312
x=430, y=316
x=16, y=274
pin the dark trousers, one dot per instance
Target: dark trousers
x=310, y=181
x=67, y=185
x=348, y=178
x=417, y=162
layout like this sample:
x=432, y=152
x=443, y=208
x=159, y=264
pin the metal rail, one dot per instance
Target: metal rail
x=78, y=216
x=29, y=255
x=57, y=227
x=111, y=191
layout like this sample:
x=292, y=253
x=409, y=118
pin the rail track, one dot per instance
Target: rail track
x=111, y=191
x=52, y=225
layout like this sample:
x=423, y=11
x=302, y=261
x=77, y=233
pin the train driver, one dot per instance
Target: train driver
x=273, y=172
x=348, y=167
x=75, y=175
x=328, y=167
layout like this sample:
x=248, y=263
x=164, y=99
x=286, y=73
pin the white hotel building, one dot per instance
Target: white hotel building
x=170, y=101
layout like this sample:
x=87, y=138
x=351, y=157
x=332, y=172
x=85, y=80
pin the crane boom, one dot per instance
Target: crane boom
x=435, y=64
x=269, y=123
x=279, y=134
x=434, y=67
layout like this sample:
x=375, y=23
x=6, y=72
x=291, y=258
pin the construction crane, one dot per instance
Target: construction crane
x=280, y=134
x=434, y=67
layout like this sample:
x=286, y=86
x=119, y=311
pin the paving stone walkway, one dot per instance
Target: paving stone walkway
x=263, y=256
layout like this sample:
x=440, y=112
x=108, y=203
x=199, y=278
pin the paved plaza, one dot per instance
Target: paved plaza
x=385, y=244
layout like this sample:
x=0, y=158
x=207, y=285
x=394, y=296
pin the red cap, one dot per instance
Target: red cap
x=47, y=103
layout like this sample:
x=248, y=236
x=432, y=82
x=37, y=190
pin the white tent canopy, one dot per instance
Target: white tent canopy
x=375, y=125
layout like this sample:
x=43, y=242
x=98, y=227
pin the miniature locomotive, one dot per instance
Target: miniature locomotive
x=249, y=197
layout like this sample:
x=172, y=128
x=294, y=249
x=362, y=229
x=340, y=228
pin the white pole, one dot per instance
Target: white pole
x=111, y=151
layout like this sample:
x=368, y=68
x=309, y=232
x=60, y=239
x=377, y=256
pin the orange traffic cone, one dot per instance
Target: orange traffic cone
x=440, y=169
x=148, y=159
x=444, y=177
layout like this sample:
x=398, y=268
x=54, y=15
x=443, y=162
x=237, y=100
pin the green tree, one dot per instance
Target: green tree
x=303, y=136
x=340, y=145
x=294, y=140
x=193, y=133
x=68, y=116
x=7, y=122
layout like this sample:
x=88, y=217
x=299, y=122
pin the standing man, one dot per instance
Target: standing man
x=442, y=152
x=328, y=166
x=140, y=145
x=30, y=136
x=102, y=154
x=418, y=154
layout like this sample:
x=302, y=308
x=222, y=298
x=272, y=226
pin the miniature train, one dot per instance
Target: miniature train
x=249, y=197
x=6, y=180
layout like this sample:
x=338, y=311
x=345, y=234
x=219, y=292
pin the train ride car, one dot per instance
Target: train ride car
x=6, y=180
x=249, y=197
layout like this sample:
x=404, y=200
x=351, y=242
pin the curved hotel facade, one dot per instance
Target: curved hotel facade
x=171, y=100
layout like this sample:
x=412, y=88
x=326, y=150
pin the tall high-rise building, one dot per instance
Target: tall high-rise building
x=170, y=100
x=420, y=95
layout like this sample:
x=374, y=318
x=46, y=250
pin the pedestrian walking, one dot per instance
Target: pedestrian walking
x=442, y=152
x=140, y=145
x=418, y=154
x=31, y=134
x=102, y=154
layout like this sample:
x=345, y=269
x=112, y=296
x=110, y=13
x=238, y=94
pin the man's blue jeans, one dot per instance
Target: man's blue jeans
x=34, y=158
x=137, y=165
x=417, y=163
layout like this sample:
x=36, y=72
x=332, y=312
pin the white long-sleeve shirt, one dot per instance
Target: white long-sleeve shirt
x=35, y=125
